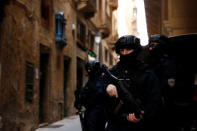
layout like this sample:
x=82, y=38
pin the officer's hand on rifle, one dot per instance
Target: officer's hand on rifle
x=112, y=91
x=131, y=117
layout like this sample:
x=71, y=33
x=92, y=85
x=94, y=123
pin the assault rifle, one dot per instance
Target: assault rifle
x=125, y=96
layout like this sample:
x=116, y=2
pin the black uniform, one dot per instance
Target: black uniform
x=164, y=67
x=139, y=81
x=184, y=97
x=94, y=116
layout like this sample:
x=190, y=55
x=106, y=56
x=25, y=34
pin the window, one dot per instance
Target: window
x=135, y=12
x=29, y=83
x=45, y=13
x=60, y=36
x=81, y=32
x=90, y=40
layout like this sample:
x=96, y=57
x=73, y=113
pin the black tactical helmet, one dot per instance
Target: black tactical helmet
x=128, y=42
x=91, y=64
x=95, y=67
x=161, y=39
x=163, y=42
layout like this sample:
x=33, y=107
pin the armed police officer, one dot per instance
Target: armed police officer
x=94, y=116
x=163, y=64
x=141, y=86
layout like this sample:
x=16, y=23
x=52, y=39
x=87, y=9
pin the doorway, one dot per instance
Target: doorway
x=80, y=74
x=66, y=70
x=44, y=84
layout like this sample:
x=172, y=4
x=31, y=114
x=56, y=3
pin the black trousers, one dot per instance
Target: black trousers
x=94, y=119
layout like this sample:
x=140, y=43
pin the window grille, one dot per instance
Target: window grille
x=60, y=35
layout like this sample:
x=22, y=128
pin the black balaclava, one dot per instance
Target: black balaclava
x=128, y=59
x=95, y=69
x=161, y=48
x=128, y=42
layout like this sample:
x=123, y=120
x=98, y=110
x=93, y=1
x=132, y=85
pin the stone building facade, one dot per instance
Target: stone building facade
x=171, y=17
x=127, y=15
x=44, y=46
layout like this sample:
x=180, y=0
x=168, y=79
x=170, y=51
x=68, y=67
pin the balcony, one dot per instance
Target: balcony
x=113, y=4
x=87, y=7
x=105, y=27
